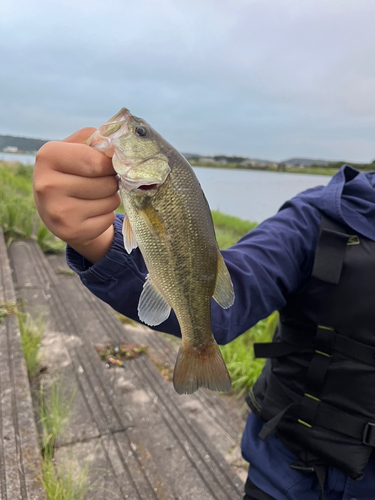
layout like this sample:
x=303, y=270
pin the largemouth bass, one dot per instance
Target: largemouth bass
x=168, y=218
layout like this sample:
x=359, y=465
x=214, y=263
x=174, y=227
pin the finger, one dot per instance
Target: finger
x=92, y=208
x=93, y=227
x=80, y=136
x=74, y=159
x=86, y=188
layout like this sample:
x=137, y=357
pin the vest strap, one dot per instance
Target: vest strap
x=321, y=474
x=320, y=471
x=270, y=426
x=295, y=341
x=320, y=362
x=330, y=255
x=274, y=349
x=325, y=416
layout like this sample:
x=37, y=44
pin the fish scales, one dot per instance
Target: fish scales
x=180, y=267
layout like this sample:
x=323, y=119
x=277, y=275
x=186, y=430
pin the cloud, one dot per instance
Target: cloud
x=259, y=78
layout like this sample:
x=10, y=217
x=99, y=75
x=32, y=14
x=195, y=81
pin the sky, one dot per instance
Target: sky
x=269, y=79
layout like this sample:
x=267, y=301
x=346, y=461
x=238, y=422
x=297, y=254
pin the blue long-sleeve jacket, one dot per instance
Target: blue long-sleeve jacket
x=266, y=265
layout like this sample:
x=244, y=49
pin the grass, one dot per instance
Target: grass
x=18, y=215
x=61, y=483
x=238, y=355
x=65, y=271
x=47, y=241
x=230, y=229
x=313, y=170
x=6, y=309
x=54, y=412
x=69, y=485
x=31, y=337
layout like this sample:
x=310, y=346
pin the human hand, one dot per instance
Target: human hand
x=75, y=191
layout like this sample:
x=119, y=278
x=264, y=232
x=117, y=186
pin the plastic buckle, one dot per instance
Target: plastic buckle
x=368, y=436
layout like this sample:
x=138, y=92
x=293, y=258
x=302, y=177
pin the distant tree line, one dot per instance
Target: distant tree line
x=337, y=165
x=21, y=143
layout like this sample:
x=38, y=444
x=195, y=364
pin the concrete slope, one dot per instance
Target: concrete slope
x=140, y=439
x=20, y=460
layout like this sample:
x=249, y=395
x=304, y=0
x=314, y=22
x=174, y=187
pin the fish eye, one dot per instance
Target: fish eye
x=140, y=131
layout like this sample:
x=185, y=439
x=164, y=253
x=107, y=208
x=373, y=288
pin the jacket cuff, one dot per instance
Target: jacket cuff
x=112, y=262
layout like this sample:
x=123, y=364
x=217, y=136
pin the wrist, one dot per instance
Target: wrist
x=95, y=249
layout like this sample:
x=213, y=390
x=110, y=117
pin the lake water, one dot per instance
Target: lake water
x=26, y=159
x=253, y=194
x=250, y=194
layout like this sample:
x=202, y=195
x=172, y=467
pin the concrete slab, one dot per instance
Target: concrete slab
x=155, y=443
x=20, y=460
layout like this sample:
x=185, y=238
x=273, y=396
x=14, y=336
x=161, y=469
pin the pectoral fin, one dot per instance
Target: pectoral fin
x=223, y=294
x=129, y=238
x=152, y=308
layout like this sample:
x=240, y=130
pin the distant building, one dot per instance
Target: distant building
x=206, y=159
x=252, y=163
x=10, y=149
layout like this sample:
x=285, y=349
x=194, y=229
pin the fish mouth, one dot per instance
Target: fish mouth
x=138, y=186
x=102, y=139
x=137, y=170
x=147, y=187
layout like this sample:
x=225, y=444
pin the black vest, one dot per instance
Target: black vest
x=317, y=390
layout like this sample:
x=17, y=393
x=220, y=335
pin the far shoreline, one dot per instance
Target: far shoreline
x=293, y=170
x=328, y=171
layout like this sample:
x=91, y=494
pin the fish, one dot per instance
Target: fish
x=168, y=218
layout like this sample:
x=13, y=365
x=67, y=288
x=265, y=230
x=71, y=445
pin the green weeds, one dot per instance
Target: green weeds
x=61, y=483
x=54, y=411
x=48, y=242
x=18, y=215
x=6, y=309
x=230, y=229
x=68, y=485
x=65, y=271
x=238, y=355
x=31, y=337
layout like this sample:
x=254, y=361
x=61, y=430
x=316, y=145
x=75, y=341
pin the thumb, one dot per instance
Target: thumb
x=80, y=136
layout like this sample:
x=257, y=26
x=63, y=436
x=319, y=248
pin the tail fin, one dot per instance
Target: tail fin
x=205, y=368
